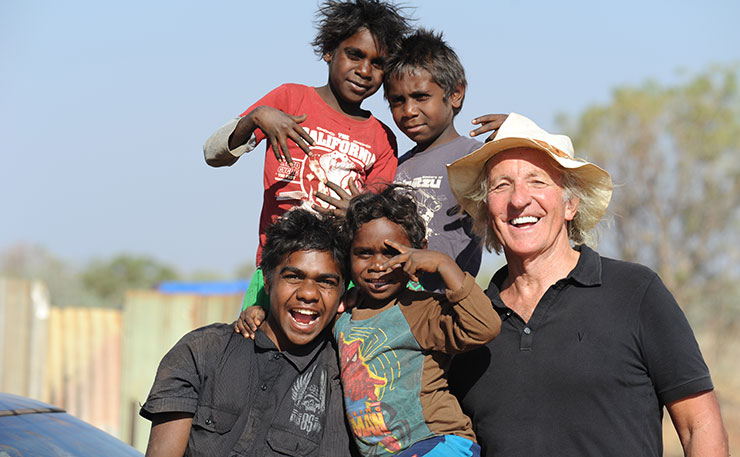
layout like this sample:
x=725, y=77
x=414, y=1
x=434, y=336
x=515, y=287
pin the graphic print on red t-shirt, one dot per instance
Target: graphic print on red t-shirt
x=345, y=150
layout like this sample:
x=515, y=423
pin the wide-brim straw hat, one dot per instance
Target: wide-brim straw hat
x=520, y=132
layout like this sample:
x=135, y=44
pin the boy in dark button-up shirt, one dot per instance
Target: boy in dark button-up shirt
x=217, y=393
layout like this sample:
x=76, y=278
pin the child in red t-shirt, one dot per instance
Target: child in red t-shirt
x=321, y=134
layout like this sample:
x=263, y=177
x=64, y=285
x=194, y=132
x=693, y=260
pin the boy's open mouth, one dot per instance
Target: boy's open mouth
x=304, y=316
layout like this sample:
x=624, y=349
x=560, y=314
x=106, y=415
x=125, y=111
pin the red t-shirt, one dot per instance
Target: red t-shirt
x=346, y=149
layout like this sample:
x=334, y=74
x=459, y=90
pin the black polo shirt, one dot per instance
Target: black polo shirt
x=248, y=398
x=605, y=349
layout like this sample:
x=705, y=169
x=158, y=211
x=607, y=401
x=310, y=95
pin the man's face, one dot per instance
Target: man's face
x=525, y=202
x=420, y=110
x=304, y=291
x=356, y=67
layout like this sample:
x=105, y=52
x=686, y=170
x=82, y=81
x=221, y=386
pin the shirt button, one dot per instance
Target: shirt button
x=527, y=330
x=263, y=387
x=276, y=356
x=209, y=421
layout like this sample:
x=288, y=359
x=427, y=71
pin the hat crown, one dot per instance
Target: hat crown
x=518, y=126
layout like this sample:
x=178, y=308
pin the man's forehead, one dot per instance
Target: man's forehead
x=311, y=262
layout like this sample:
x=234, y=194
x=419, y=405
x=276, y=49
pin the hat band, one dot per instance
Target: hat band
x=555, y=151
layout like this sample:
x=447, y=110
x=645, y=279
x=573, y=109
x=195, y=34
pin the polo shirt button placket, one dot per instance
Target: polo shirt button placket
x=526, y=341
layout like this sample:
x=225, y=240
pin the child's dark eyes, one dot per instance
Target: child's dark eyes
x=353, y=54
x=328, y=283
x=396, y=101
x=291, y=278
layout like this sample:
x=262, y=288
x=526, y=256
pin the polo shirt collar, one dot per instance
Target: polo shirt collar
x=301, y=356
x=586, y=273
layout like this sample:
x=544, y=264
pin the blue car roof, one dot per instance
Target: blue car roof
x=13, y=405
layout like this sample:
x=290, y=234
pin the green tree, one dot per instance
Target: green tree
x=110, y=279
x=673, y=154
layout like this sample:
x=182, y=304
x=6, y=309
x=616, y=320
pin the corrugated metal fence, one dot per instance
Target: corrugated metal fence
x=97, y=363
x=152, y=323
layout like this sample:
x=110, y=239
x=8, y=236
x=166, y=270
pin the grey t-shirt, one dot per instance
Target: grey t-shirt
x=447, y=231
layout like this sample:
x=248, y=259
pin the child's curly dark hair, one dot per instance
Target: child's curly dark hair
x=339, y=20
x=395, y=203
x=302, y=230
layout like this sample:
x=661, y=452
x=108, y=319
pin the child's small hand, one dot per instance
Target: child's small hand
x=249, y=320
x=348, y=300
x=340, y=204
x=278, y=127
x=489, y=123
x=414, y=261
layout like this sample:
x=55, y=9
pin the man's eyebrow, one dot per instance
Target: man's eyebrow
x=301, y=273
x=290, y=269
x=354, y=51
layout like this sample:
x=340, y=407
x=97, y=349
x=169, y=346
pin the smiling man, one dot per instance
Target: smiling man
x=591, y=349
x=217, y=393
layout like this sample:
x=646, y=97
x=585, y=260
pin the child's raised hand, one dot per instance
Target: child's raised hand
x=278, y=127
x=340, y=204
x=414, y=261
x=489, y=123
x=249, y=320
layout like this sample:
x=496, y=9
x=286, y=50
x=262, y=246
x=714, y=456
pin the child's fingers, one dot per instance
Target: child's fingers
x=353, y=190
x=395, y=262
x=398, y=246
x=488, y=123
x=321, y=209
x=298, y=138
x=286, y=152
x=328, y=199
x=275, y=146
x=301, y=131
x=241, y=328
x=336, y=188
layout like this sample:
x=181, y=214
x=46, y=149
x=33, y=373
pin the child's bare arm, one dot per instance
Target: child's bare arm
x=278, y=128
x=414, y=261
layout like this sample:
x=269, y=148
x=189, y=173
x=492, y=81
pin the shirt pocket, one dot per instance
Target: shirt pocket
x=214, y=420
x=284, y=442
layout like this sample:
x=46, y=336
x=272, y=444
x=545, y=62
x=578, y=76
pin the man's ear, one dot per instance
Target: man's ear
x=327, y=56
x=571, y=208
x=456, y=97
x=424, y=243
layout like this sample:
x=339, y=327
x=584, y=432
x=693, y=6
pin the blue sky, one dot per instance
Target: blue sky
x=104, y=106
